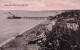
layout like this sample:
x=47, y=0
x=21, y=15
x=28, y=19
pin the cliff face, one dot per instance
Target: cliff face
x=64, y=34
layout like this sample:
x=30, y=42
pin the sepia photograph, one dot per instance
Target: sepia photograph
x=39, y=30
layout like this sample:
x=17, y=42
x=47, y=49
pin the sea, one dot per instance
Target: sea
x=11, y=27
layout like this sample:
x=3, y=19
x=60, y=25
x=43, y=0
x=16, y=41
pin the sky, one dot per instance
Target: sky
x=36, y=5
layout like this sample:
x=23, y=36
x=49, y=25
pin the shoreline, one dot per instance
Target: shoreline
x=22, y=33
